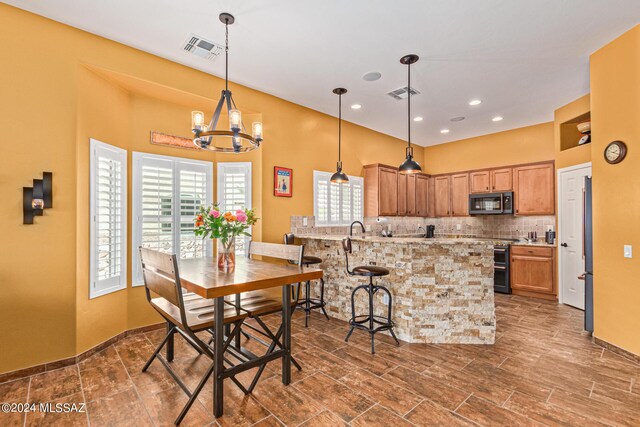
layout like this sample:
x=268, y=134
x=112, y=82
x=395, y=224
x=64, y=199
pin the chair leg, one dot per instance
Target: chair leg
x=349, y=334
x=194, y=395
x=307, y=305
x=394, y=336
x=322, y=298
x=158, y=349
x=170, y=331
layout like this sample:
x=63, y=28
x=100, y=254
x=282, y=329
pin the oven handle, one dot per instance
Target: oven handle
x=498, y=267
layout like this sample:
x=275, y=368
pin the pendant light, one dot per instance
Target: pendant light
x=241, y=142
x=409, y=166
x=339, y=177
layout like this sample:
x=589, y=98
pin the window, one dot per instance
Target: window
x=234, y=192
x=337, y=204
x=167, y=194
x=108, y=210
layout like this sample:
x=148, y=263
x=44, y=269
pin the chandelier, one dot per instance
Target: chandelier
x=208, y=137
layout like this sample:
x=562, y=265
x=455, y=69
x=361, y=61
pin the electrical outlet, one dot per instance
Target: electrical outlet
x=458, y=227
x=628, y=251
x=305, y=221
x=385, y=298
x=367, y=227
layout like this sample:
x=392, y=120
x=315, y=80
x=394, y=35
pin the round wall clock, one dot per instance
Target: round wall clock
x=615, y=152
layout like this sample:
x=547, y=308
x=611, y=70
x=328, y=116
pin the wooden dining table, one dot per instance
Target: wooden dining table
x=202, y=277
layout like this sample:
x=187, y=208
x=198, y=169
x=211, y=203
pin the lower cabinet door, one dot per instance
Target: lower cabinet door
x=533, y=274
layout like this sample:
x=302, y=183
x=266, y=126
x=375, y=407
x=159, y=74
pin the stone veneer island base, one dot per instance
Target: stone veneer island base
x=442, y=289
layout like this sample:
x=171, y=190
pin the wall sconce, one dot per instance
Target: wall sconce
x=37, y=198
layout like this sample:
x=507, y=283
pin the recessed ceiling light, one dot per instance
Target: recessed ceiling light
x=457, y=119
x=356, y=106
x=444, y=131
x=371, y=76
x=497, y=118
x=475, y=102
x=418, y=119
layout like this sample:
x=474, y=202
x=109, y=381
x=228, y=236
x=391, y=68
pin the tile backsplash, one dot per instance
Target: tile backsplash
x=498, y=226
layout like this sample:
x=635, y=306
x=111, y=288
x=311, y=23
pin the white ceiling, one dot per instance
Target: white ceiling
x=523, y=58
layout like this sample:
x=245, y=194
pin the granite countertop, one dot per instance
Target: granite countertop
x=404, y=239
x=525, y=243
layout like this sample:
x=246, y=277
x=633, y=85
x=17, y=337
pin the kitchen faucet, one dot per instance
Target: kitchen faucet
x=354, y=223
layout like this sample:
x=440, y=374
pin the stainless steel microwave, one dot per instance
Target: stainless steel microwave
x=491, y=203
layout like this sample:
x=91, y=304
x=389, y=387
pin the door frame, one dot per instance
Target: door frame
x=559, y=173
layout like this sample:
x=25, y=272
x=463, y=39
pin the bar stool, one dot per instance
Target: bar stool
x=307, y=303
x=368, y=322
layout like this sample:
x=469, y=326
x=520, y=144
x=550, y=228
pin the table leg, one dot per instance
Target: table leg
x=218, y=358
x=286, y=338
x=170, y=343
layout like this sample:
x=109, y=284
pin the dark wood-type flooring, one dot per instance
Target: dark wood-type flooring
x=543, y=370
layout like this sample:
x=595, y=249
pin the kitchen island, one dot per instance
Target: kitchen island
x=442, y=288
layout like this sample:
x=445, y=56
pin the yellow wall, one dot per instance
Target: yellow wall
x=523, y=145
x=615, y=109
x=77, y=86
x=579, y=154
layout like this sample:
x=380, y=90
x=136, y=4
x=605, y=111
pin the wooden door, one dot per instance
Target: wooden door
x=411, y=195
x=442, y=196
x=532, y=274
x=534, y=188
x=422, y=195
x=460, y=194
x=480, y=182
x=388, y=191
x=502, y=180
x=402, y=194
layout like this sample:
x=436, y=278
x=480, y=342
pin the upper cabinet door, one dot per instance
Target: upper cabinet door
x=460, y=194
x=422, y=195
x=502, y=180
x=388, y=191
x=480, y=182
x=534, y=188
x=402, y=194
x=411, y=195
x=442, y=196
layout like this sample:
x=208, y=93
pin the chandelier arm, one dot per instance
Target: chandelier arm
x=216, y=116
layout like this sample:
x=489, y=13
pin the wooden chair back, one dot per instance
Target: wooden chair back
x=291, y=253
x=160, y=274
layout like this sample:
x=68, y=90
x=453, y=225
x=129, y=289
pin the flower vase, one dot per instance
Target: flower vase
x=226, y=254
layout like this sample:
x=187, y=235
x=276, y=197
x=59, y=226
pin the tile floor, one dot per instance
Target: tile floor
x=542, y=371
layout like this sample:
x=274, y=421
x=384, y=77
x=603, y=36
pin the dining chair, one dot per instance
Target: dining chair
x=186, y=314
x=269, y=301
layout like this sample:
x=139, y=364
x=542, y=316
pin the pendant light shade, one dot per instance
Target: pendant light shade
x=339, y=177
x=409, y=166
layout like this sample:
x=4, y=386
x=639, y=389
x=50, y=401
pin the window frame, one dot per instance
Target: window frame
x=353, y=181
x=249, y=191
x=178, y=164
x=116, y=283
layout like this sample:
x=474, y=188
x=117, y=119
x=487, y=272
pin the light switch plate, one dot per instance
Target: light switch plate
x=367, y=227
x=305, y=221
x=628, y=251
x=458, y=227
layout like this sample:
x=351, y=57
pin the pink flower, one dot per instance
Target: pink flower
x=214, y=213
x=241, y=216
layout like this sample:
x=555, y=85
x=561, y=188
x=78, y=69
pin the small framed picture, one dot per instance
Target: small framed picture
x=282, y=182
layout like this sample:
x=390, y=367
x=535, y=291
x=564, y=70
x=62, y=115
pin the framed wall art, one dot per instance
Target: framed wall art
x=282, y=182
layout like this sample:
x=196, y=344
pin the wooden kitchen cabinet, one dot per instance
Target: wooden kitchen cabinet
x=460, y=194
x=480, y=181
x=442, y=194
x=422, y=195
x=534, y=189
x=402, y=194
x=380, y=190
x=501, y=180
x=411, y=195
x=533, y=271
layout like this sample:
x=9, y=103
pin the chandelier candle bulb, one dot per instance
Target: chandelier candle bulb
x=197, y=120
x=256, y=130
x=235, y=119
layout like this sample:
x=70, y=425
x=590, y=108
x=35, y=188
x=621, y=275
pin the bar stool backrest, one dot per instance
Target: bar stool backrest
x=347, y=247
x=160, y=274
x=289, y=239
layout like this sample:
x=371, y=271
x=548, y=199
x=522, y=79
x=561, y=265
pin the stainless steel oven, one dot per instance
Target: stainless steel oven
x=491, y=203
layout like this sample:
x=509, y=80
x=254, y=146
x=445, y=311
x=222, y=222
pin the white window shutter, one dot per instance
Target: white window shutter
x=108, y=210
x=337, y=204
x=234, y=192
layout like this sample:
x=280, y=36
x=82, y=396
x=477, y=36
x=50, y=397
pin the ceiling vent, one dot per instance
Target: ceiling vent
x=203, y=48
x=403, y=93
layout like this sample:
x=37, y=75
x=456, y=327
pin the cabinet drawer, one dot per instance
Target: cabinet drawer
x=532, y=251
